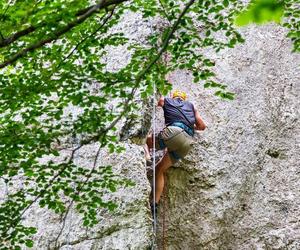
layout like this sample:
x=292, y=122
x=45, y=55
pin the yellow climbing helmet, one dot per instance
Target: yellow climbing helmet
x=180, y=94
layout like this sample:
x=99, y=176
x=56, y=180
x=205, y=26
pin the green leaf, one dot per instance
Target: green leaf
x=225, y=3
x=65, y=93
x=29, y=243
x=112, y=187
x=232, y=42
x=55, y=153
x=207, y=85
x=111, y=206
x=208, y=63
x=261, y=11
x=86, y=223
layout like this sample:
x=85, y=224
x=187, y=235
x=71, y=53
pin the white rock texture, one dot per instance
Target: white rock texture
x=239, y=186
x=128, y=227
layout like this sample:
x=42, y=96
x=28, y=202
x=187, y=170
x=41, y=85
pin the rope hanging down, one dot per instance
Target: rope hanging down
x=153, y=166
x=165, y=197
x=164, y=224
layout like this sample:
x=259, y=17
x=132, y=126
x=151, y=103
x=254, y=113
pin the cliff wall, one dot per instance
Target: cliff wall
x=239, y=186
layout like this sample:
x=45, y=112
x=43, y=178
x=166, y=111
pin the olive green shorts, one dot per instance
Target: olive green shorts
x=176, y=140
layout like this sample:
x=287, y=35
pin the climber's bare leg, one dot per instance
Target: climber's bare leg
x=147, y=152
x=147, y=146
x=160, y=169
x=149, y=141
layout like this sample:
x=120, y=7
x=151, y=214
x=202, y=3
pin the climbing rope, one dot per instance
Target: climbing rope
x=164, y=227
x=165, y=191
x=153, y=167
x=153, y=247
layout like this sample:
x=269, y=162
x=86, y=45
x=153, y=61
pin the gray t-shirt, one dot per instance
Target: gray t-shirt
x=177, y=110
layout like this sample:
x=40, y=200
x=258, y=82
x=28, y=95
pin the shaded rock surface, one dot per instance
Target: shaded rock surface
x=239, y=187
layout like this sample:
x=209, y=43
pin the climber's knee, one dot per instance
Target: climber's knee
x=164, y=164
x=149, y=141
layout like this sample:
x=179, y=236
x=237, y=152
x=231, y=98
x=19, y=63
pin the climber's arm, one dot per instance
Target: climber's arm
x=200, y=125
x=161, y=101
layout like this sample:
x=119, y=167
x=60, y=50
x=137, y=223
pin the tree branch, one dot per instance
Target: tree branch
x=166, y=41
x=142, y=74
x=6, y=41
x=6, y=9
x=65, y=165
x=63, y=225
x=77, y=193
x=85, y=38
x=126, y=106
x=1, y=36
x=71, y=158
x=164, y=11
x=16, y=36
x=57, y=34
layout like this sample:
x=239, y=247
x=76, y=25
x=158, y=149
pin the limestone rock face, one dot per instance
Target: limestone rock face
x=127, y=227
x=239, y=187
x=130, y=225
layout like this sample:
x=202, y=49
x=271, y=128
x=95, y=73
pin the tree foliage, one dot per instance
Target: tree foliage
x=50, y=59
x=262, y=11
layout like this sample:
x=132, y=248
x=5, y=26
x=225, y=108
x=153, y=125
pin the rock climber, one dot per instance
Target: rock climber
x=181, y=119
